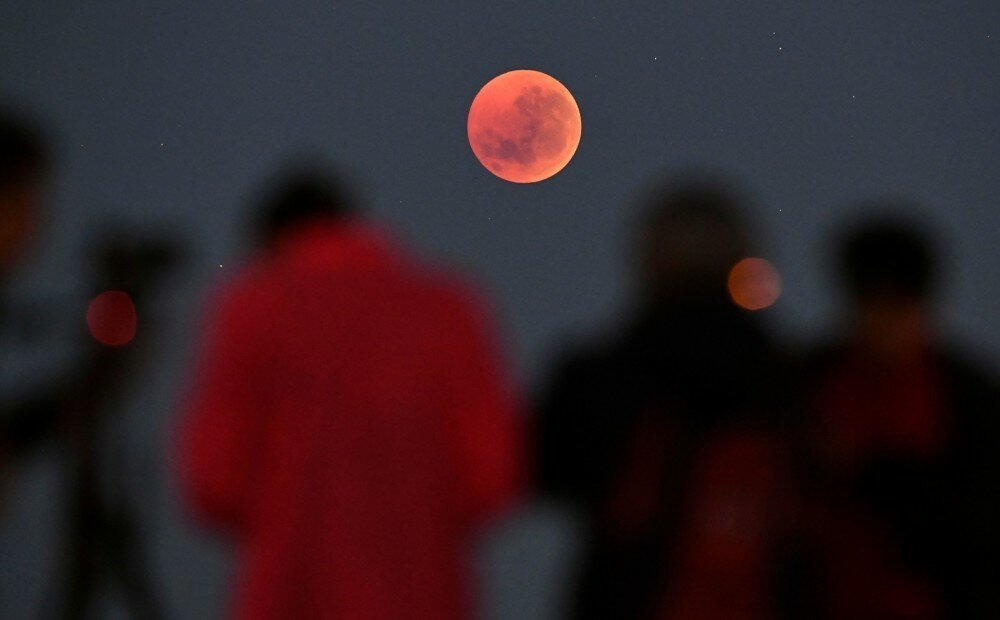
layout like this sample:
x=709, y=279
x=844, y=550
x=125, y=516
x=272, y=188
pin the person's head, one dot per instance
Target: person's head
x=23, y=167
x=888, y=267
x=300, y=196
x=690, y=235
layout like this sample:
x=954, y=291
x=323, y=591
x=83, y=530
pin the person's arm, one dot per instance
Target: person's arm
x=484, y=417
x=220, y=439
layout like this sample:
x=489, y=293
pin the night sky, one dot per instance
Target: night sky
x=167, y=115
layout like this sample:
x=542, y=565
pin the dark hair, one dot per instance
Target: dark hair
x=691, y=232
x=299, y=196
x=692, y=199
x=888, y=258
x=22, y=149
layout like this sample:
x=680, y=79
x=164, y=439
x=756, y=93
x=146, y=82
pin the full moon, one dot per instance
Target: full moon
x=524, y=126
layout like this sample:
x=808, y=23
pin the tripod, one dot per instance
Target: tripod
x=103, y=538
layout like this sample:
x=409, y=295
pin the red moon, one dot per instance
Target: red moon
x=524, y=126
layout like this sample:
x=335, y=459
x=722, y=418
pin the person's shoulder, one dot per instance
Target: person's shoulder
x=596, y=358
x=243, y=288
x=968, y=370
x=454, y=292
x=974, y=395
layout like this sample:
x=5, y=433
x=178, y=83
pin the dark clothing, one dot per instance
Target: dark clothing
x=650, y=437
x=906, y=486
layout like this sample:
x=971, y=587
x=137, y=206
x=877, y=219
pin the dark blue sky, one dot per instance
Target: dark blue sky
x=167, y=114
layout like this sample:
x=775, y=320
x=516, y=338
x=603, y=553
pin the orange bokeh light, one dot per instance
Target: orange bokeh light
x=111, y=318
x=524, y=126
x=754, y=284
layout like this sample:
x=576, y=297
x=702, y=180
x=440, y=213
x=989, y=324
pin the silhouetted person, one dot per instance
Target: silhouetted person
x=350, y=425
x=23, y=167
x=904, y=435
x=663, y=435
x=101, y=539
x=25, y=419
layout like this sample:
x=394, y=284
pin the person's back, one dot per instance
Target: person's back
x=351, y=428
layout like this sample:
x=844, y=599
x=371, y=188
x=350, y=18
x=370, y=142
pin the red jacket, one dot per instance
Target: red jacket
x=350, y=427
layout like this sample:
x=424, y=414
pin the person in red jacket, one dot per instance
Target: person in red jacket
x=350, y=424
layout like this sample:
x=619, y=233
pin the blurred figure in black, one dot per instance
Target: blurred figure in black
x=24, y=419
x=904, y=436
x=666, y=436
x=23, y=167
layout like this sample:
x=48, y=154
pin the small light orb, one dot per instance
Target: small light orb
x=111, y=318
x=754, y=284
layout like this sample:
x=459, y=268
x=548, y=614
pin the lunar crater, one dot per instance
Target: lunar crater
x=524, y=126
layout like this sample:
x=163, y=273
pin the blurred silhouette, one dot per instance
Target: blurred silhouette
x=667, y=437
x=103, y=541
x=24, y=162
x=101, y=531
x=23, y=167
x=903, y=435
x=350, y=424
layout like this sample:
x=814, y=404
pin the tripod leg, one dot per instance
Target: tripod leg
x=127, y=560
x=82, y=570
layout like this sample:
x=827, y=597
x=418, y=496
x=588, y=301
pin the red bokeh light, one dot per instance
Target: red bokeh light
x=112, y=319
x=754, y=284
